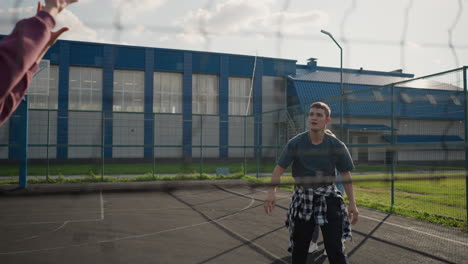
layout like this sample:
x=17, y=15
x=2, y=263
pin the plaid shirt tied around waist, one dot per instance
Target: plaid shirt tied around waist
x=307, y=203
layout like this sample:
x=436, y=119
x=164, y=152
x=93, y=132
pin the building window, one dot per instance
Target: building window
x=129, y=91
x=42, y=91
x=455, y=100
x=431, y=99
x=239, y=91
x=378, y=96
x=85, y=89
x=167, y=92
x=406, y=98
x=205, y=94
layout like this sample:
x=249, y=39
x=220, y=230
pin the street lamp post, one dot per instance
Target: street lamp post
x=341, y=80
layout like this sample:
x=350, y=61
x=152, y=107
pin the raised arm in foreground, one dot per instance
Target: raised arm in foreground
x=20, y=51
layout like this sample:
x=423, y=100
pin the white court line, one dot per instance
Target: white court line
x=65, y=222
x=407, y=228
x=60, y=227
x=129, y=237
x=414, y=230
x=56, y=222
x=26, y=238
x=277, y=195
x=246, y=239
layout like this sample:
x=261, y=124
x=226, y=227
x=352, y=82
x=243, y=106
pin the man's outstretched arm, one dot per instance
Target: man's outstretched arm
x=20, y=51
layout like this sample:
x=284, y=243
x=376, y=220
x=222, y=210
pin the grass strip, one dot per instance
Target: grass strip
x=427, y=205
x=175, y=168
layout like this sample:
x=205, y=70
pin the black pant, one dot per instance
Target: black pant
x=332, y=234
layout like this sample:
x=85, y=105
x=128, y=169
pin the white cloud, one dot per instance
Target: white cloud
x=163, y=38
x=78, y=30
x=11, y=15
x=413, y=44
x=28, y=10
x=130, y=9
x=295, y=22
x=237, y=16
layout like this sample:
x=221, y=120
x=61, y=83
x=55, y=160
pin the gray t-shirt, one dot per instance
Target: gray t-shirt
x=311, y=160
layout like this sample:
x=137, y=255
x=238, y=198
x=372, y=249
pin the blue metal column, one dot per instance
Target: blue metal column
x=108, y=98
x=393, y=102
x=465, y=108
x=22, y=112
x=187, y=105
x=224, y=107
x=62, y=114
x=149, y=117
x=257, y=107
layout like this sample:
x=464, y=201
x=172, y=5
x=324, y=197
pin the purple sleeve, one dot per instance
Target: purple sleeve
x=18, y=54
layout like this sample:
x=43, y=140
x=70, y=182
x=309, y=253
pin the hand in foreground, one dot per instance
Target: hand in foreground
x=353, y=213
x=53, y=35
x=54, y=7
x=269, y=203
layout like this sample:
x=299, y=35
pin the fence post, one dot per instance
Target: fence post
x=201, y=145
x=23, y=148
x=47, y=147
x=257, y=146
x=304, y=118
x=154, y=143
x=245, y=145
x=392, y=144
x=102, y=143
x=465, y=95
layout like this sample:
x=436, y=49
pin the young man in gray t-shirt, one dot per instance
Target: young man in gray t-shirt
x=314, y=157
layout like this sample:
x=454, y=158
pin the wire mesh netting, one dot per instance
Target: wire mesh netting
x=406, y=138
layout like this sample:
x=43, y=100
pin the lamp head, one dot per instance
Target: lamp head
x=325, y=32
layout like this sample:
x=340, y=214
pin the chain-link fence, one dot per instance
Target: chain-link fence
x=408, y=144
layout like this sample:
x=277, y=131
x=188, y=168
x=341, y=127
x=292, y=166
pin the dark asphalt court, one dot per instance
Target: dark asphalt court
x=224, y=224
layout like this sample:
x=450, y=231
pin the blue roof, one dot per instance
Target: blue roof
x=424, y=138
x=351, y=77
x=361, y=100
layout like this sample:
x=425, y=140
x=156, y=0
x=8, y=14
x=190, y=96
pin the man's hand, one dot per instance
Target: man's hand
x=54, y=7
x=53, y=35
x=269, y=203
x=353, y=213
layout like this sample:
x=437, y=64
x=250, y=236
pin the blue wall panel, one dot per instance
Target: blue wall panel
x=53, y=54
x=224, y=106
x=86, y=54
x=62, y=121
x=168, y=61
x=18, y=131
x=108, y=98
x=187, y=105
x=241, y=66
x=129, y=58
x=205, y=63
x=149, y=117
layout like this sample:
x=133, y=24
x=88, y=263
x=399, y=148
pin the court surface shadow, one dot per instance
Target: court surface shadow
x=313, y=258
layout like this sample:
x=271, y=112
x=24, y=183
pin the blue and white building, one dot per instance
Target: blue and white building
x=141, y=102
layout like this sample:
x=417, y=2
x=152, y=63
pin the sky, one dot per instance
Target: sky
x=420, y=37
